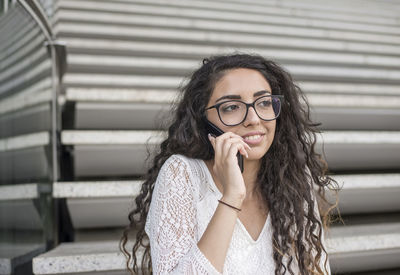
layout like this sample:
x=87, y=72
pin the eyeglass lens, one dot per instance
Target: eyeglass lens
x=234, y=112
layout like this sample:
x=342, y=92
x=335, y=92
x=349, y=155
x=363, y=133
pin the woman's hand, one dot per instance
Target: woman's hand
x=226, y=168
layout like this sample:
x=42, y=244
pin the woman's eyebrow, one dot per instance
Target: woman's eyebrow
x=262, y=92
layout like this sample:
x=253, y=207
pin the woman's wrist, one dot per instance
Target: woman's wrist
x=234, y=201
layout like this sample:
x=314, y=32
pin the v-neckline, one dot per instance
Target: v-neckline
x=247, y=232
x=215, y=188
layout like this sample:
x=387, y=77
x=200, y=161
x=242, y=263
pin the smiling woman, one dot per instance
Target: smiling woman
x=200, y=213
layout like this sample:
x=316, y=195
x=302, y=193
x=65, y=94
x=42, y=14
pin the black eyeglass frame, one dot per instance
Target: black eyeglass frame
x=248, y=105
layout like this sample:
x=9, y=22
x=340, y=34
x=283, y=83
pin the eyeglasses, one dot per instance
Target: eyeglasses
x=234, y=112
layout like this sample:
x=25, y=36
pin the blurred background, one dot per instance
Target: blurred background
x=85, y=85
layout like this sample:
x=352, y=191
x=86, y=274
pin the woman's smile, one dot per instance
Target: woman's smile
x=254, y=139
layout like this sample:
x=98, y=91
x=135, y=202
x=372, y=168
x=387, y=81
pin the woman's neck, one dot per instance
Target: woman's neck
x=250, y=172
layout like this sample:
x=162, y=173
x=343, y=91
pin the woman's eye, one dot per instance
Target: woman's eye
x=230, y=108
x=265, y=103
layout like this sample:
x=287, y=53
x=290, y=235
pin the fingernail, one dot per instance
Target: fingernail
x=209, y=136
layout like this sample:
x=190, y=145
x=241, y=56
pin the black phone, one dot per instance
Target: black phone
x=213, y=129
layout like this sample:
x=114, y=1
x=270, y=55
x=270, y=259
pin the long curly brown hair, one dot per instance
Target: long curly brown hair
x=287, y=169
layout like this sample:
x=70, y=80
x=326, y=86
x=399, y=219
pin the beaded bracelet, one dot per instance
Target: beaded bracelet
x=230, y=205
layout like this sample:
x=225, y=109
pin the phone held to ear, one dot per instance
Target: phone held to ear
x=213, y=129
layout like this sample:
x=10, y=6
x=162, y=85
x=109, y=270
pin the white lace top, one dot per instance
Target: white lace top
x=184, y=200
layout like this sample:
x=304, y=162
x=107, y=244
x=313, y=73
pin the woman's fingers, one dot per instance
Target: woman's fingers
x=235, y=147
x=237, y=141
x=222, y=145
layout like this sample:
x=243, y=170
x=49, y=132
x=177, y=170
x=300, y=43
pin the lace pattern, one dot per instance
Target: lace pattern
x=183, y=203
x=172, y=222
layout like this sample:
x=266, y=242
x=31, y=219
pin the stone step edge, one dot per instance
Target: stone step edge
x=194, y=36
x=17, y=254
x=33, y=97
x=19, y=192
x=108, y=62
x=94, y=17
x=168, y=97
x=239, y=7
x=128, y=137
x=25, y=141
x=200, y=13
x=104, y=47
x=131, y=188
x=154, y=137
x=87, y=82
x=68, y=257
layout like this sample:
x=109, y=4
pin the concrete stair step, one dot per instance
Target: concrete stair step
x=27, y=111
x=24, y=158
x=30, y=119
x=128, y=148
x=39, y=63
x=13, y=28
x=146, y=109
x=81, y=64
x=106, y=47
x=360, y=194
x=19, y=211
x=101, y=87
x=19, y=192
x=19, y=214
x=181, y=67
x=184, y=11
x=24, y=141
x=273, y=9
x=40, y=71
x=26, y=48
x=123, y=153
x=374, y=250
x=122, y=82
x=368, y=193
x=364, y=248
x=93, y=17
x=337, y=7
x=211, y=37
x=85, y=200
x=18, y=256
x=81, y=257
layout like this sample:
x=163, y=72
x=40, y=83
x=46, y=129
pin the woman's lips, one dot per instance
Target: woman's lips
x=254, y=140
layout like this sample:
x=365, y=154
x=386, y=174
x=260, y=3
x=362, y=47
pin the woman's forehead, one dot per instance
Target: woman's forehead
x=243, y=82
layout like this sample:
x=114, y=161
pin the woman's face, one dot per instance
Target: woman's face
x=243, y=84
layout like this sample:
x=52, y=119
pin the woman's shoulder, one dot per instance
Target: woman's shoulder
x=182, y=160
x=182, y=165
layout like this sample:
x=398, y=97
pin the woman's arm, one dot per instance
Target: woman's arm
x=216, y=238
x=172, y=223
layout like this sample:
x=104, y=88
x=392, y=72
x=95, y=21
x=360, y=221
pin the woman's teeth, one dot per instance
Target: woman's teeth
x=252, y=137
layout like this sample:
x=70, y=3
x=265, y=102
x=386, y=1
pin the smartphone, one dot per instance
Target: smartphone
x=213, y=129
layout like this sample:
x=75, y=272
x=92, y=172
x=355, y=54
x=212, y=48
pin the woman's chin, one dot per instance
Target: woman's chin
x=255, y=156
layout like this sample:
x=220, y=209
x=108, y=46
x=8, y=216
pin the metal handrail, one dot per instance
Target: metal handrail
x=58, y=54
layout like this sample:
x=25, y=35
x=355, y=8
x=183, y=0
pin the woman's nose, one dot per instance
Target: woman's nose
x=251, y=118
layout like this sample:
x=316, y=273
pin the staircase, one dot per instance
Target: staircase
x=127, y=57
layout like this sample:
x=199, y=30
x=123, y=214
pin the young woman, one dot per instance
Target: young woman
x=201, y=213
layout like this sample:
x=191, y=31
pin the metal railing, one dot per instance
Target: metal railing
x=32, y=64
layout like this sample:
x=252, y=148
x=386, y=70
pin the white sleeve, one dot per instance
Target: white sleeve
x=172, y=222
